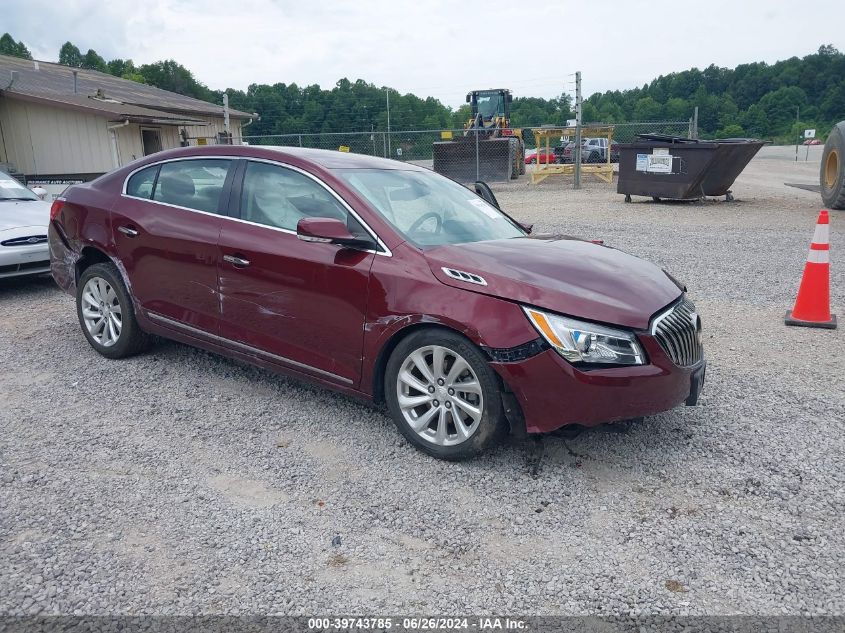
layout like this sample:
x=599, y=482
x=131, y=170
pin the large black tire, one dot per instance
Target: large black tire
x=491, y=425
x=130, y=339
x=832, y=172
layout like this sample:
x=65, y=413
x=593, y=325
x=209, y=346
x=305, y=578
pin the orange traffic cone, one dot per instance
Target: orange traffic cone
x=812, y=306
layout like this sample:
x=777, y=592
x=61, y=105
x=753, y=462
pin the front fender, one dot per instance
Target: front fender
x=404, y=294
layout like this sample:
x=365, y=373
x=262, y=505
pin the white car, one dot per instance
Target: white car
x=23, y=230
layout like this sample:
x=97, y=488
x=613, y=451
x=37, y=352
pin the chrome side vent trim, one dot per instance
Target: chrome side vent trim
x=462, y=275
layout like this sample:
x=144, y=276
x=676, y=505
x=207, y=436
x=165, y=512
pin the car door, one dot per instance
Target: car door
x=301, y=304
x=165, y=228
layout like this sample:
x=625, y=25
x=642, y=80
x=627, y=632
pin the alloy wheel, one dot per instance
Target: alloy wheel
x=101, y=311
x=439, y=395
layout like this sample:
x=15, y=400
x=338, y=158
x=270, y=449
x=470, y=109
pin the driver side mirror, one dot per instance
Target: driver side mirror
x=329, y=231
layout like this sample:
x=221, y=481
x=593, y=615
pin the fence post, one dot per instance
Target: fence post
x=477, y=159
x=384, y=143
x=300, y=140
x=576, y=151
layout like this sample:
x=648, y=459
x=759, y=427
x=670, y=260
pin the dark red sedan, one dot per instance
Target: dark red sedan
x=379, y=279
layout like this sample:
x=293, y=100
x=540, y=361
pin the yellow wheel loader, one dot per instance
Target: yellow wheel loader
x=489, y=149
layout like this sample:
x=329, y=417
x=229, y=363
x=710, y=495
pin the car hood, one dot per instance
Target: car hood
x=16, y=213
x=562, y=274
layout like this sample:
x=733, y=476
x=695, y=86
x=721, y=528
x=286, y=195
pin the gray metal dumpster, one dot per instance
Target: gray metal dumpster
x=676, y=168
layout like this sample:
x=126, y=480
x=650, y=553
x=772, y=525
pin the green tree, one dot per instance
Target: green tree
x=172, y=76
x=731, y=131
x=677, y=109
x=8, y=46
x=755, y=121
x=120, y=67
x=647, y=109
x=92, y=61
x=69, y=55
x=781, y=107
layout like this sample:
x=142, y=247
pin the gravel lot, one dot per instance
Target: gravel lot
x=181, y=482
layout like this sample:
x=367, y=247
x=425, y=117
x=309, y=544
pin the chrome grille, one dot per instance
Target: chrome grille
x=678, y=330
x=29, y=240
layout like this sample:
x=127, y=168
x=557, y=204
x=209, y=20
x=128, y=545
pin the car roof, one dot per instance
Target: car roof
x=333, y=159
x=323, y=158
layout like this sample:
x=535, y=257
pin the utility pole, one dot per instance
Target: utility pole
x=797, y=121
x=226, y=117
x=695, y=123
x=576, y=154
x=388, y=122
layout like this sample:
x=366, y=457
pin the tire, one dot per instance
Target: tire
x=436, y=413
x=832, y=171
x=593, y=157
x=101, y=291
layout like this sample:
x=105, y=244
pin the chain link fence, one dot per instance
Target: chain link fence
x=464, y=155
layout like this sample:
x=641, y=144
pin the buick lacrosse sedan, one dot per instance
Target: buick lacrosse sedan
x=379, y=279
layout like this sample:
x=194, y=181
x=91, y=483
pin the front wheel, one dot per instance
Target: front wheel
x=443, y=395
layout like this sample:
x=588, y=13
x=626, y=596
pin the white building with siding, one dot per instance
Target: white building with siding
x=61, y=125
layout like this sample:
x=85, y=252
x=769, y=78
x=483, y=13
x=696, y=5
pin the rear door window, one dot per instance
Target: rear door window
x=194, y=184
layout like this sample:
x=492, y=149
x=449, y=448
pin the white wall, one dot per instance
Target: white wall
x=40, y=139
x=210, y=131
x=131, y=146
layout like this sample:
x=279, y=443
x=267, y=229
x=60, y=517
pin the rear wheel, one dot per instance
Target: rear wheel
x=443, y=395
x=106, y=313
x=832, y=173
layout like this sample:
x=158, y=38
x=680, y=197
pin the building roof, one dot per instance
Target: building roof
x=118, y=98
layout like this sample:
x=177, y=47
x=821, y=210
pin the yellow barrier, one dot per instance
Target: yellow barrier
x=602, y=171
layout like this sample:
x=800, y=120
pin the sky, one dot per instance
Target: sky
x=431, y=47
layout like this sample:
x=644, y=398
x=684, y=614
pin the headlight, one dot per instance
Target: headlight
x=581, y=342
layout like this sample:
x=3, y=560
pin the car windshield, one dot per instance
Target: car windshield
x=428, y=209
x=11, y=189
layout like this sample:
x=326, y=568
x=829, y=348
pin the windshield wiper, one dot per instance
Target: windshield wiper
x=26, y=199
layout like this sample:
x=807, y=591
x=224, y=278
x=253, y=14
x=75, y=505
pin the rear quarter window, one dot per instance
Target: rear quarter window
x=140, y=184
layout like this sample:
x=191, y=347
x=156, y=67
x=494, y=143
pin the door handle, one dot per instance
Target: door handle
x=240, y=262
x=128, y=231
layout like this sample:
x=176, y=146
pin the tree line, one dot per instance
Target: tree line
x=769, y=101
